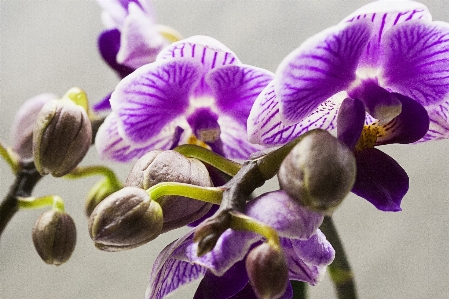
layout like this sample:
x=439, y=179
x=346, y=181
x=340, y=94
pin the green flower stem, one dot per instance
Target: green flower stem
x=194, y=151
x=10, y=157
x=81, y=172
x=206, y=194
x=26, y=179
x=340, y=270
x=32, y=203
x=240, y=221
x=299, y=289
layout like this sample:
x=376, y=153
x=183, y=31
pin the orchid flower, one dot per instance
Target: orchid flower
x=197, y=90
x=223, y=269
x=132, y=38
x=391, y=62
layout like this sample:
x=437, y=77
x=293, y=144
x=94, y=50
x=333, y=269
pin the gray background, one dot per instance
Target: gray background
x=50, y=46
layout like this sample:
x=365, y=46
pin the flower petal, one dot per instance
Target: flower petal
x=233, y=142
x=284, y=214
x=225, y=286
x=171, y=270
x=380, y=180
x=297, y=268
x=350, y=121
x=109, y=46
x=416, y=61
x=409, y=126
x=316, y=250
x=112, y=146
x=322, y=66
x=248, y=293
x=103, y=104
x=439, y=123
x=384, y=15
x=265, y=124
x=153, y=96
x=236, y=87
x=140, y=40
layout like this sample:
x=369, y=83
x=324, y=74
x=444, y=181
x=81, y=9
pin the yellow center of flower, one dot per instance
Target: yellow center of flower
x=368, y=137
x=193, y=140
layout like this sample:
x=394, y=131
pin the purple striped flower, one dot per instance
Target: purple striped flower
x=197, y=89
x=393, y=62
x=223, y=270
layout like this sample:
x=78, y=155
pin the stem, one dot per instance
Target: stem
x=240, y=221
x=81, y=172
x=31, y=203
x=206, y=194
x=340, y=270
x=194, y=151
x=299, y=289
x=10, y=157
x=26, y=179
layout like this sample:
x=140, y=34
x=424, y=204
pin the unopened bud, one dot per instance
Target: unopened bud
x=267, y=271
x=125, y=219
x=62, y=136
x=170, y=166
x=23, y=124
x=97, y=193
x=319, y=172
x=54, y=237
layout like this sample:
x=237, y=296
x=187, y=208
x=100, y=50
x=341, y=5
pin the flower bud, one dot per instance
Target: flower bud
x=54, y=237
x=125, y=219
x=319, y=172
x=97, y=193
x=61, y=138
x=267, y=271
x=23, y=124
x=170, y=166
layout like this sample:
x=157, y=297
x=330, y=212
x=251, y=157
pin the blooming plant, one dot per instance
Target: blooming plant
x=201, y=131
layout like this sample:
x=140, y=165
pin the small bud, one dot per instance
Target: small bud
x=267, y=271
x=54, y=237
x=97, y=193
x=23, y=124
x=61, y=138
x=319, y=172
x=126, y=219
x=170, y=166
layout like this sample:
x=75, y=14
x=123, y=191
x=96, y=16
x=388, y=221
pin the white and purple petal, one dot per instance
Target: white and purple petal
x=153, y=96
x=439, y=123
x=109, y=46
x=236, y=87
x=416, y=61
x=265, y=124
x=288, y=218
x=350, y=121
x=111, y=145
x=385, y=14
x=380, y=180
x=322, y=66
x=140, y=40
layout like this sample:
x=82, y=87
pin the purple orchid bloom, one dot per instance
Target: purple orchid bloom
x=197, y=89
x=131, y=38
x=392, y=64
x=223, y=269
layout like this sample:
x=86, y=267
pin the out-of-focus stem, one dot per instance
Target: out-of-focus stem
x=340, y=270
x=299, y=289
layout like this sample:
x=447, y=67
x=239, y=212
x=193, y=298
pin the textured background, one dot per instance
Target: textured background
x=50, y=46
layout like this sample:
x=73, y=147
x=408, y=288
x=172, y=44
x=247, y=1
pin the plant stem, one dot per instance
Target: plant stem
x=299, y=289
x=206, y=194
x=26, y=179
x=340, y=270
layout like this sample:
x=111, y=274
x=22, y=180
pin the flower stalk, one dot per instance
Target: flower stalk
x=81, y=172
x=32, y=203
x=10, y=157
x=206, y=194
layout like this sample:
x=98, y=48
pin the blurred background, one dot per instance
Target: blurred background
x=50, y=46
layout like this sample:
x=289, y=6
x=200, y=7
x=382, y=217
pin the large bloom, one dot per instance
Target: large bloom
x=197, y=89
x=223, y=269
x=391, y=59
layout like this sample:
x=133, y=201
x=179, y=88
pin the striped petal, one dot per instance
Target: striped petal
x=265, y=124
x=112, y=146
x=153, y=96
x=236, y=87
x=416, y=61
x=385, y=14
x=204, y=49
x=322, y=66
x=439, y=123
